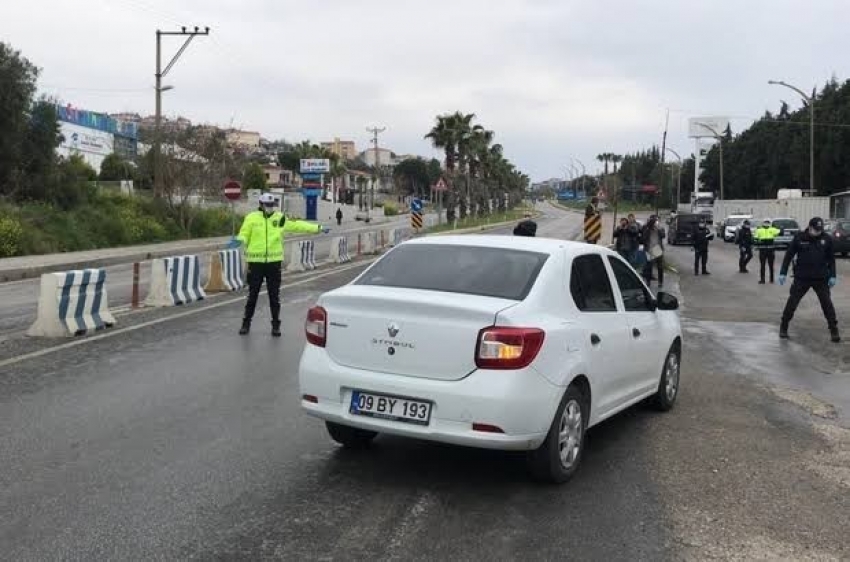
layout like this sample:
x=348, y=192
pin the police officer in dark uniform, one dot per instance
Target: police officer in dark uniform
x=527, y=227
x=745, y=246
x=814, y=268
x=702, y=235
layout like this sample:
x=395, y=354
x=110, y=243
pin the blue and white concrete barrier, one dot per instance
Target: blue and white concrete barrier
x=396, y=237
x=72, y=303
x=226, y=272
x=305, y=256
x=371, y=242
x=339, y=250
x=175, y=281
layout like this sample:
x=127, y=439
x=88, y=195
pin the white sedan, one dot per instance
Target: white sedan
x=490, y=341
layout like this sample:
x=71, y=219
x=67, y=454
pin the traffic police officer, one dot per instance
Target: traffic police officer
x=765, y=235
x=814, y=268
x=262, y=234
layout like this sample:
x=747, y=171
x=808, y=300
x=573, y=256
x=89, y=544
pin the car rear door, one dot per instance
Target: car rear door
x=646, y=341
x=606, y=346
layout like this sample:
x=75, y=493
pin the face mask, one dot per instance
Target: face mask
x=815, y=232
x=268, y=209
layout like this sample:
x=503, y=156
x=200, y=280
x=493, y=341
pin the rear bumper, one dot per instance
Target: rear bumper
x=521, y=403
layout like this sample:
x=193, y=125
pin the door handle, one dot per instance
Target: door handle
x=594, y=339
x=636, y=332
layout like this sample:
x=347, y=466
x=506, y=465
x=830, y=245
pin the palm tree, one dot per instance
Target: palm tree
x=616, y=159
x=605, y=157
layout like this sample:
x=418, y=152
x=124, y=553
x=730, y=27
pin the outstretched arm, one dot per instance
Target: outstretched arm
x=301, y=226
x=792, y=250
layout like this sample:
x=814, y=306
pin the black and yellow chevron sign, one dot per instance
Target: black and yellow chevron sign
x=416, y=220
x=593, y=228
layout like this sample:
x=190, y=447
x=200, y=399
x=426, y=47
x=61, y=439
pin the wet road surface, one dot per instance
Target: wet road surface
x=181, y=440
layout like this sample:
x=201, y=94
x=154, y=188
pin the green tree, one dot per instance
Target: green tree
x=115, y=168
x=253, y=177
x=18, y=79
x=412, y=177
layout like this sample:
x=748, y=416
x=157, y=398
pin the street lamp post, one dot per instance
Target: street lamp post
x=811, y=101
x=678, y=181
x=719, y=138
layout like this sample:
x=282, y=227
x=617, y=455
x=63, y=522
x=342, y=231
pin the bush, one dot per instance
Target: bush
x=11, y=233
x=390, y=210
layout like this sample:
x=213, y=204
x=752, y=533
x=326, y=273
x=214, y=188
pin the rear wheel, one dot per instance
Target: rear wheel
x=559, y=456
x=668, y=385
x=350, y=437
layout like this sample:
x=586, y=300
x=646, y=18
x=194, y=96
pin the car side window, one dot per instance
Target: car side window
x=590, y=286
x=635, y=296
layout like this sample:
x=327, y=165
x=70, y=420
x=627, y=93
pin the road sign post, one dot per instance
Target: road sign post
x=232, y=192
x=439, y=188
x=416, y=214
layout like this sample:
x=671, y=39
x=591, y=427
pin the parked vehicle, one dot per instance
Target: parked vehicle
x=839, y=229
x=363, y=216
x=731, y=224
x=474, y=341
x=682, y=228
x=788, y=228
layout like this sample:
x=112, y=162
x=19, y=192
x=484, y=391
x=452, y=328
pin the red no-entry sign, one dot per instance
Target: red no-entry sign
x=232, y=190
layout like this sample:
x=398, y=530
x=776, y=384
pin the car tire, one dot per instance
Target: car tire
x=350, y=437
x=668, y=384
x=547, y=463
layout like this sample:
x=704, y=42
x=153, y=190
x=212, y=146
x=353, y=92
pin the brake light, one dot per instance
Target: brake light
x=504, y=348
x=316, y=326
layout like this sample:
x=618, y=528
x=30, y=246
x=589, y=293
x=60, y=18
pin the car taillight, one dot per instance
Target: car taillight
x=316, y=326
x=507, y=348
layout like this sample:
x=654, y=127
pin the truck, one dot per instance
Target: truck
x=702, y=203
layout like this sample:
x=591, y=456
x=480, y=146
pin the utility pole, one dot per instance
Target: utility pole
x=375, y=132
x=160, y=73
x=663, y=154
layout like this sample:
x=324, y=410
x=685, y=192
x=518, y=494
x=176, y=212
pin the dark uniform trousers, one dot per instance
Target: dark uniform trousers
x=799, y=289
x=257, y=273
x=700, y=258
x=767, y=257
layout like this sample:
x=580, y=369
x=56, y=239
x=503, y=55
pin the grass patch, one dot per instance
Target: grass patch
x=106, y=220
x=475, y=222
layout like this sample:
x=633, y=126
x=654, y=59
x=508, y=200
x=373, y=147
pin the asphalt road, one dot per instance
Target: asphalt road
x=181, y=440
x=19, y=299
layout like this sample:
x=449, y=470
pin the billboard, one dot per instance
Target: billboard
x=703, y=126
x=99, y=121
x=315, y=165
x=92, y=144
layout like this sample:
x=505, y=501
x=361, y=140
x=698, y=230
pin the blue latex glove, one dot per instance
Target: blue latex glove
x=234, y=243
x=833, y=281
x=781, y=279
x=325, y=230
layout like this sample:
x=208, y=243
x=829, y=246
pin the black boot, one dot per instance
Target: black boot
x=276, y=328
x=246, y=327
x=783, y=331
x=836, y=337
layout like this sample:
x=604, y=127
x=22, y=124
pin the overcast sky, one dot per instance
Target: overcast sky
x=553, y=78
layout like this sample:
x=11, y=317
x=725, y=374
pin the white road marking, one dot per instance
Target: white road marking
x=111, y=333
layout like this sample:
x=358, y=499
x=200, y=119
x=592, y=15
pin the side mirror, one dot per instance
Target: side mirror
x=666, y=301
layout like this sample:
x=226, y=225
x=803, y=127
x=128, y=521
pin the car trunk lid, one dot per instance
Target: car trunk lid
x=409, y=332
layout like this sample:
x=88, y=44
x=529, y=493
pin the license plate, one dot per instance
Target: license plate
x=390, y=408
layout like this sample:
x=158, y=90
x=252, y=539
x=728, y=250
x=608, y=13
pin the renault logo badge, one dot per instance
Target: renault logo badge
x=393, y=329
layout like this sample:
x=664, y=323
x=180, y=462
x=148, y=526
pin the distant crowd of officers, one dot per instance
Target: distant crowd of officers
x=811, y=252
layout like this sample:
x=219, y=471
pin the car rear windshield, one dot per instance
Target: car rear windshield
x=473, y=270
x=734, y=221
x=785, y=223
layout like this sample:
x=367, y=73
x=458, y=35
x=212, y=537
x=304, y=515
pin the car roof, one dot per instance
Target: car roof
x=524, y=243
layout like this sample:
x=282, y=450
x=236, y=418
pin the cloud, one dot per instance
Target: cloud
x=553, y=78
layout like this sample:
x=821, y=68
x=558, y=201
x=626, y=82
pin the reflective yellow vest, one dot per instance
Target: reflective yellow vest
x=766, y=234
x=263, y=236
